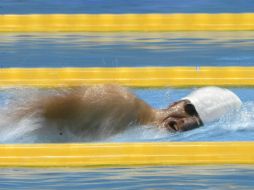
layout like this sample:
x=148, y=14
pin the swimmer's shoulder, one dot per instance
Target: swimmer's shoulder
x=108, y=92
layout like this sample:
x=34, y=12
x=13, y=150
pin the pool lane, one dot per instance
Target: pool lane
x=127, y=49
x=235, y=126
x=139, y=77
x=126, y=22
x=123, y=6
x=126, y=178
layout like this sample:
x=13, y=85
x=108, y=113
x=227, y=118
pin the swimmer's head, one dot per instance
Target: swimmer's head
x=202, y=106
x=181, y=116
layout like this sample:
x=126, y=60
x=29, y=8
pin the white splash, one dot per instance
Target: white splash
x=243, y=119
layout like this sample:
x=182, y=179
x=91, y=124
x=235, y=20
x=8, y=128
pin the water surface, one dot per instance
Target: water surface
x=127, y=49
x=168, y=177
x=123, y=6
x=135, y=49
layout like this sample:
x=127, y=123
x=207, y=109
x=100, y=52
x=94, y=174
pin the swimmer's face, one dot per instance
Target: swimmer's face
x=181, y=116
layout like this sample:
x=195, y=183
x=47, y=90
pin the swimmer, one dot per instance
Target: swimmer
x=105, y=110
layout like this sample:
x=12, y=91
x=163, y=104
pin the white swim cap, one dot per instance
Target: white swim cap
x=213, y=102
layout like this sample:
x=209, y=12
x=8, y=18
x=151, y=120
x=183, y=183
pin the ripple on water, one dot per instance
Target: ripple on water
x=167, y=177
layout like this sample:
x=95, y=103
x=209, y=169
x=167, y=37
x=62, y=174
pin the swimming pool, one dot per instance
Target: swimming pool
x=135, y=49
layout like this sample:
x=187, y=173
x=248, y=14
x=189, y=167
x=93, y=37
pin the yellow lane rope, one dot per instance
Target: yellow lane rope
x=117, y=154
x=126, y=22
x=132, y=77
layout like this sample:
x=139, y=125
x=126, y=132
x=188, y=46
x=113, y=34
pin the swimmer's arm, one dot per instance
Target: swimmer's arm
x=99, y=103
x=61, y=107
x=111, y=103
x=95, y=106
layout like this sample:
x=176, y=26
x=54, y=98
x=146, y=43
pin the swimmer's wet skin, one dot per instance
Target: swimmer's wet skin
x=102, y=111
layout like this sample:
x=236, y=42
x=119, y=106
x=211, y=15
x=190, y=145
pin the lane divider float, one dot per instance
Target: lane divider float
x=126, y=22
x=128, y=76
x=119, y=154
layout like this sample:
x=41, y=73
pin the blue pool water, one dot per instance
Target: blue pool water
x=127, y=49
x=123, y=6
x=135, y=49
x=171, y=177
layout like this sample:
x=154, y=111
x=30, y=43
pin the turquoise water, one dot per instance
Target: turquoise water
x=173, y=177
